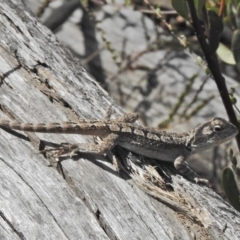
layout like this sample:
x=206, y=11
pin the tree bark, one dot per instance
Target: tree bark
x=41, y=82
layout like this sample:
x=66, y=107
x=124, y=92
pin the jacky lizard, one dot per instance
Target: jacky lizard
x=145, y=141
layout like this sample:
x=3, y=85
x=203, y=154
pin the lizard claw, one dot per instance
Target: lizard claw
x=201, y=181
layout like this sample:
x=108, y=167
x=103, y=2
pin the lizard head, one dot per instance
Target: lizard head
x=211, y=134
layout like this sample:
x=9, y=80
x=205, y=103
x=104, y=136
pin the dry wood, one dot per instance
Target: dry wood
x=40, y=81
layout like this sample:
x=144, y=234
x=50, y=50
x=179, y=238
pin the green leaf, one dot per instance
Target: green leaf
x=199, y=6
x=181, y=7
x=230, y=15
x=215, y=30
x=236, y=47
x=230, y=187
x=225, y=54
x=238, y=16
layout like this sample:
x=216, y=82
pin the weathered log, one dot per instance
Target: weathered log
x=41, y=82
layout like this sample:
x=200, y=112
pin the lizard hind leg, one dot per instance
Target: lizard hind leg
x=70, y=150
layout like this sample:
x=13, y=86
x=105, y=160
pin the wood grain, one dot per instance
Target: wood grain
x=40, y=81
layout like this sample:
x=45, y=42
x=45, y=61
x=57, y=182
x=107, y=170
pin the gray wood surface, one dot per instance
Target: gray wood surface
x=40, y=82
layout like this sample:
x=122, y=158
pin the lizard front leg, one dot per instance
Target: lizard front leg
x=69, y=150
x=181, y=165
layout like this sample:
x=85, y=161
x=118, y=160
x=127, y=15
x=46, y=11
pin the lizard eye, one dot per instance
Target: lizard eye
x=217, y=128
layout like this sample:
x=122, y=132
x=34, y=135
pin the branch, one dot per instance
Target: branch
x=213, y=67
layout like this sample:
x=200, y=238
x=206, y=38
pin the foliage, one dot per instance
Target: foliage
x=229, y=15
x=208, y=25
x=229, y=182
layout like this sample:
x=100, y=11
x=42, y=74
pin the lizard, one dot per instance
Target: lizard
x=148, y=142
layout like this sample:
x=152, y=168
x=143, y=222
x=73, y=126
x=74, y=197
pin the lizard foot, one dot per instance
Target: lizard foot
x=65, y=150
x=201, y=181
